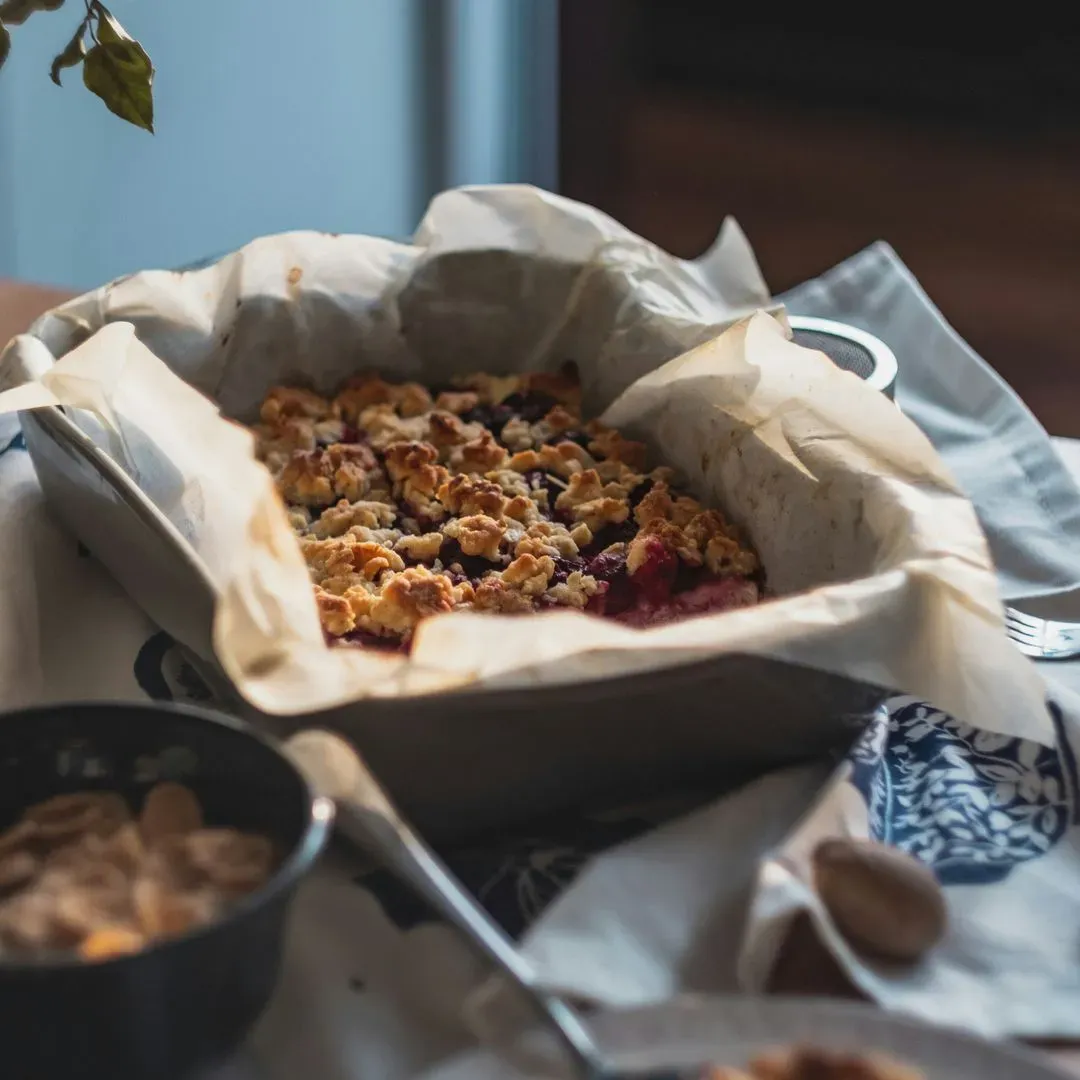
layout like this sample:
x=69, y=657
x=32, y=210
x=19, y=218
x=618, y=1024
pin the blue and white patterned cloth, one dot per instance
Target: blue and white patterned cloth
x=970, y=804
x=633, y=906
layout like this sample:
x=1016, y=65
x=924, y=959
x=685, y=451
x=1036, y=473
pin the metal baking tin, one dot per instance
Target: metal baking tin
x=465, y=761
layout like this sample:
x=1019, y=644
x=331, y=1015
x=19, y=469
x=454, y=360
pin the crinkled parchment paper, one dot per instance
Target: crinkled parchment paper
x=881, y=567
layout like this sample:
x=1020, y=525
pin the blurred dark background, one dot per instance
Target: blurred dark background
x=949, y=131
x=958, y=141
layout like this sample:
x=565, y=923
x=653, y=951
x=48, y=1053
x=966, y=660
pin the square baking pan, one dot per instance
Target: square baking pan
x=464, y=762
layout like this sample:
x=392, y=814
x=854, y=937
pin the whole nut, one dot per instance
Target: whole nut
x=885, y=903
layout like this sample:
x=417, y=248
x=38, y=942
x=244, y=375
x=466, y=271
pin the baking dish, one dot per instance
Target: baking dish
x=882, y=574
x=463, y=761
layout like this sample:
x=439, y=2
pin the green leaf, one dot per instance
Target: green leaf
x=16, y=12
x=118, y=70
x=108, y=29
x=72, y=55
x=5, y=43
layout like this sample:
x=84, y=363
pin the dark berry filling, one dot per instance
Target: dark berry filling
x=639, y=493
x=473, y=566
x=618, y=594
x=712, y=595
x=564, y=567
x=531, y=406
x=373, y=641
x=621, y=533
x=493, y=417
x=538, y=480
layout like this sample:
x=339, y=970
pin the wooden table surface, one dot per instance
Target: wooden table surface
x=804, y=968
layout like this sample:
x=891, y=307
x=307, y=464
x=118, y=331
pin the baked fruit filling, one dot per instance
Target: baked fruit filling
x=491, y=494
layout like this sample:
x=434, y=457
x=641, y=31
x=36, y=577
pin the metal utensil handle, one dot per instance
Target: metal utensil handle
x=368, y=818
x=407, y=855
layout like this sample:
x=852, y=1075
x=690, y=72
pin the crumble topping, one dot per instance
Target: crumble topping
x=420, y=548
x=457, y=401
x=529, y=574
x=287, y=401
x=345, y=515
x=481, y=454
x=576, y=591
x=491, y=494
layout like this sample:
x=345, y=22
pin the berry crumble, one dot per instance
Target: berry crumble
x=490, y=494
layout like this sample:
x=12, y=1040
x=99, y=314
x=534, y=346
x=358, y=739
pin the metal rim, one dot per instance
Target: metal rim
x=885, y=365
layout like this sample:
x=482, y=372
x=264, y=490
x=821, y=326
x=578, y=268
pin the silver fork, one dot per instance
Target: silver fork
x=1042, y=639
x=367, y=817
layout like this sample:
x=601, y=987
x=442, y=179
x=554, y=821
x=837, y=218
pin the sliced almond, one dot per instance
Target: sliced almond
x=110, y=941
x=169, y=810
x=234, y=860
x=67, y=816
x=17, y=869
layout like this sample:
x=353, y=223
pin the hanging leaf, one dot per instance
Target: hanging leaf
x=108, y=29
x=5, y=43
x=72, y=55
x=16, y=12
x=118, y=70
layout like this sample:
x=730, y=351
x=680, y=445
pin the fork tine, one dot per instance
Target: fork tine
x=1023, y=619
x=1028, y=649
x=1021, y=631
x=1026, y=627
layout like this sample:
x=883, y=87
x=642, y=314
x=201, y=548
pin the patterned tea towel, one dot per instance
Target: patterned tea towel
x=633, y=905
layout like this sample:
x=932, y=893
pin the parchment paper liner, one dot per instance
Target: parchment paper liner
x=883, y=570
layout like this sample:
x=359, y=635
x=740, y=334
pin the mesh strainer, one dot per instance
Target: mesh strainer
x=849, y=348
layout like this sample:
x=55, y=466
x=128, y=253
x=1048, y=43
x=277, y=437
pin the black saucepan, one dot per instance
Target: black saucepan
x=160, y=1013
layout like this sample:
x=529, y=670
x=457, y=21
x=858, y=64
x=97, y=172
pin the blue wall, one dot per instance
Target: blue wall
x=270, y=115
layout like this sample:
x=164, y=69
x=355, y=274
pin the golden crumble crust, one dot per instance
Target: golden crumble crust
x=494, y=495
x=462, y=495
x=334, y=612
x=340, y=518
x=658, y=503
x=359, y=393
x=447, y=430
x=576, y=591
x=383, y=426
x=286, y=401
x=612, y=446
x=550, y=538
x=480, y=454
x=517, y=435
x=420, y=548
x=529, y=574
x=596, y=504
x=491, y=389
x=457, y=401
x=477, y=535
x=493, y=594
x=414, y=594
